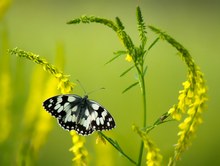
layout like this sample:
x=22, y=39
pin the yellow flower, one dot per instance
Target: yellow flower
x=128, y=58
x=153, y=157
x=186, y=84
x=174, y=111
x=100, y=138
x=192, y=105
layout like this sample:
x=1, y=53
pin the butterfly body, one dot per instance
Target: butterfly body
x=79, y=113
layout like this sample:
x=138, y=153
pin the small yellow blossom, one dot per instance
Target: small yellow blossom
x=190, y=94
x=153, y=157
x=100, y=138
x=58, y=75
x=175, y=113
x=184, y=124
x=128, y=58
x=186, y=84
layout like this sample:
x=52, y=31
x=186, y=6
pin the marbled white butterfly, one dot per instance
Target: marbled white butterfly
x=80, y=114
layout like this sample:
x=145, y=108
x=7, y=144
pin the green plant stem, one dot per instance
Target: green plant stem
x=116, y=146
x=143, y=91
x=144, y=102
x=140, y=153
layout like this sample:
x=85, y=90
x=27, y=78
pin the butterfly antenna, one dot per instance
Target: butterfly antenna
x=90, y=91
x=96, y=90
x=82, y=87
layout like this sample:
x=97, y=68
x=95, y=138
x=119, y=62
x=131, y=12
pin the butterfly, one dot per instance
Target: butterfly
x=79, y=113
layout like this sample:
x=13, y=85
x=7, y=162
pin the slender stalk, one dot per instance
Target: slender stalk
x=144, y=102
x=116, y=146
x=143, y=92
x=140, y=153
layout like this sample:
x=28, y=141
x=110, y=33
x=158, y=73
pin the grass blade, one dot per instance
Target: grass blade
x=145, y=70
x=126, y=71
x=154, y=42
x=118, y=53
x=117, y=146
x=131, y=86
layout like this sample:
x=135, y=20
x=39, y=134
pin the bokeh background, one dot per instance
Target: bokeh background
x=40, y=26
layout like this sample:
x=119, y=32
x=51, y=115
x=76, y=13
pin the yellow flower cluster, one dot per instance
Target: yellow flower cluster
x=78, y=149
x=191, y=102
x=63, y=82
x=153, y=158
x=191, y=99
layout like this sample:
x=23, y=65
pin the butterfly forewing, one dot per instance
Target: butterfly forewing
x=60, y=105
x=80, y=114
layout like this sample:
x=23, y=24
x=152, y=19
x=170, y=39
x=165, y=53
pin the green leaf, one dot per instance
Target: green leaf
x=118, y=54
x=117, y=146
x=154, y=42
x=126, y=71
x=145, y=70
x=162, y=118
x=131, y=86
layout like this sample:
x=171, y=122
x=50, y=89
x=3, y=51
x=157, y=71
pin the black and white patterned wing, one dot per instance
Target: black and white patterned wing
x=66, y=108
x=101, y=119
x=79, y=114
x=59, y=106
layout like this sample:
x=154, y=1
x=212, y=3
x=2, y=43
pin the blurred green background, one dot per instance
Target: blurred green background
x=39, y=26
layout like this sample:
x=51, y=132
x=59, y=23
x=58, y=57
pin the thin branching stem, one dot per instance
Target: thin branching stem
x=140, y=153
x=143, y=92
x=117, y=147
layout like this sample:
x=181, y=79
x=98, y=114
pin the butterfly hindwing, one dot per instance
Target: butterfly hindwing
x=80, y=114
x=102, y=120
